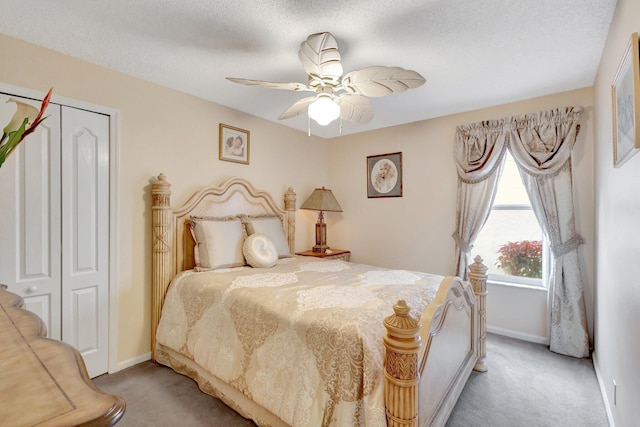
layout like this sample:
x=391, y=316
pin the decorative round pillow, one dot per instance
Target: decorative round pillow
x=259, y=251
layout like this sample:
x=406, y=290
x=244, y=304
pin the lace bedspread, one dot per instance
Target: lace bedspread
x=303, y=339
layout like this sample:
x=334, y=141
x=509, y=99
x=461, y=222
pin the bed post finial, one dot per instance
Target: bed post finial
x=402, y=343
x=162, y=268
x=290, y=207
x=478, y=279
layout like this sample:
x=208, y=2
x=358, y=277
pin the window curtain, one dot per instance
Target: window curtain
x=541, y=144
x=479, y=153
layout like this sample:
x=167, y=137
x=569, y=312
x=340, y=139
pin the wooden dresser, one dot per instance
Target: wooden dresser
x=43, y=382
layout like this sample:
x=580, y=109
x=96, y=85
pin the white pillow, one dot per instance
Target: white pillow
x=270, y=226
x=218, y=242
x=259, y=251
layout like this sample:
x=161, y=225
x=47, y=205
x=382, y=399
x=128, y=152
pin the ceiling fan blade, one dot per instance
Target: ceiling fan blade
x=298, y=108
x=381, y=81
x=320, y=56
x=271, y=85
x=355, y=108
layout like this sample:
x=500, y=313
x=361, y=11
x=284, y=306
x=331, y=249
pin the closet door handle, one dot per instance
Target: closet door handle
x=31, y=289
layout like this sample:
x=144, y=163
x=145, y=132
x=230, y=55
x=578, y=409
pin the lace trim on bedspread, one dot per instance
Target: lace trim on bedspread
x=389, y=277
x=264, y=280
x=345, y=297
x=327, y=266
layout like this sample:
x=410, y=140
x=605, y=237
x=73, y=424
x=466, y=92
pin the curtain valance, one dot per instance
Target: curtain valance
x=541, y=143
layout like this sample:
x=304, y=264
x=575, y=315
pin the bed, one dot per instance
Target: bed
x=307, y=341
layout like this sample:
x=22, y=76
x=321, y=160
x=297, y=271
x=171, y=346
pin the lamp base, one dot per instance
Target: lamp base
x=321, y=235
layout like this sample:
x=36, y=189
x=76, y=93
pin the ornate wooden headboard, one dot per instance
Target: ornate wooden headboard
x=172, y=244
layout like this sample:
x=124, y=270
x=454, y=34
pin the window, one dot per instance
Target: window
x=511, y=241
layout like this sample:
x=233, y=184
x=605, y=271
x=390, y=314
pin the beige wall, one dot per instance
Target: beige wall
x=617, y=334
x=414, y=231
x=162, y=130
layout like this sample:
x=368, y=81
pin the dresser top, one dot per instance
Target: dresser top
x=44, y=381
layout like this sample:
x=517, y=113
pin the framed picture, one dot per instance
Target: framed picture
x=625, y=91
x=384, y=175
x=234, y=144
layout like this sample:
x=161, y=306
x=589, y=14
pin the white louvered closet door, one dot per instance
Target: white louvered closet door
x=85, y=235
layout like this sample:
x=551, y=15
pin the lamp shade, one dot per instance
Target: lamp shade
x=322, y=199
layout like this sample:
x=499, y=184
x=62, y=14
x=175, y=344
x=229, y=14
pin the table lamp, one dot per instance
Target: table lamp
x=322, y=200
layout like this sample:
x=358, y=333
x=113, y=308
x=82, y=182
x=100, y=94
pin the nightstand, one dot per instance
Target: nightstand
x=335, y=254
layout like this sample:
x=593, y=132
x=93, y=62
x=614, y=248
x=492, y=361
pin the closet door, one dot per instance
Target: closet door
x=85, y=235
x=30, y=249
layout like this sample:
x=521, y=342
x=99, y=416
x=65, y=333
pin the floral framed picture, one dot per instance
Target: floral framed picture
x=234, y=144
x=384, y=175
x=625, y=95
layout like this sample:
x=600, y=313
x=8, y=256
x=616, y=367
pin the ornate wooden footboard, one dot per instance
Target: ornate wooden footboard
x=428, y=360
x=424, y=381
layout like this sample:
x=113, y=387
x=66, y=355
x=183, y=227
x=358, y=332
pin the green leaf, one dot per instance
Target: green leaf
x=15, y=138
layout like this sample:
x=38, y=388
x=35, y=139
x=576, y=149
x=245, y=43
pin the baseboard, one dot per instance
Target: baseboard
x=517, y=335
x=131, y=362
x=603, y=390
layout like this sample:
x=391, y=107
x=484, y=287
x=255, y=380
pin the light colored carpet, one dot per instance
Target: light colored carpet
x=526, y=386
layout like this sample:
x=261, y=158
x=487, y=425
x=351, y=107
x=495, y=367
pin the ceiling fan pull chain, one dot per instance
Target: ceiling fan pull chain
x=308, y=125
x=340, y=125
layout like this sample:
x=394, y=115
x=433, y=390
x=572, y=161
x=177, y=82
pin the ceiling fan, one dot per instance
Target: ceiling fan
x=337, y=95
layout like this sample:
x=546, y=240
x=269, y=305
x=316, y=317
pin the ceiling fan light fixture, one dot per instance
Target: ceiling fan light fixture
x=337, y=96
x=324, y=110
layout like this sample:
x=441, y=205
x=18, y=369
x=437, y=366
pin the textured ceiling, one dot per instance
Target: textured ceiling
x=473, y=53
